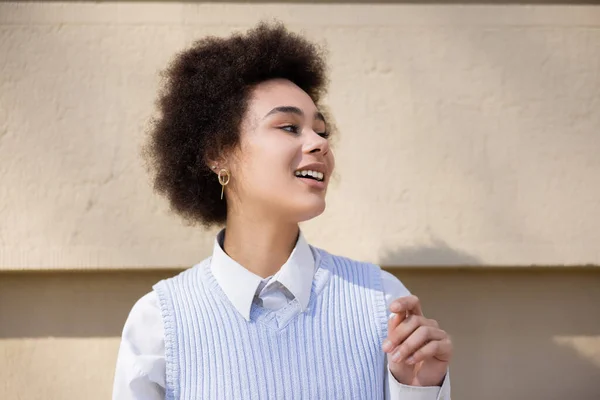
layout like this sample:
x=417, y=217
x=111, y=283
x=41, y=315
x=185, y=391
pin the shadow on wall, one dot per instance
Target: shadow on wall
x=437, y=253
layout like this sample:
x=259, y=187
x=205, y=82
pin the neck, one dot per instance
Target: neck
x=259, y=246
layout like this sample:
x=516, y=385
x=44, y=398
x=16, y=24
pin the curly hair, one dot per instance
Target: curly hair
x=201, y=104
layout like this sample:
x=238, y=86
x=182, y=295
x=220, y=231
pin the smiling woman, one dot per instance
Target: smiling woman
x=241, y=142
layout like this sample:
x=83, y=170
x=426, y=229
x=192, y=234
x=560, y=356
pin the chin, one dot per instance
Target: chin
x=310, y=211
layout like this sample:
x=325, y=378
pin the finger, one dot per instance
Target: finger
x=395, y=320
x=409, y=325
x=405, y=304
x=440, y=349
x=419, y=338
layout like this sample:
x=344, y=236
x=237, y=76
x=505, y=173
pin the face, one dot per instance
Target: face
x=283, y=165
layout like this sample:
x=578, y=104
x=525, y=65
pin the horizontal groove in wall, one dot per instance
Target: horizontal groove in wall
x=95, y=305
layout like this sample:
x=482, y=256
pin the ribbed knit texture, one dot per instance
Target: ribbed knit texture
x=330, y=351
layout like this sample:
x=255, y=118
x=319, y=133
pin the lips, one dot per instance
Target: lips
x=310, y=174
x=317, y=171
x=313, y=183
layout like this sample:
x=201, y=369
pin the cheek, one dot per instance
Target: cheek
x=278, y=156
x=270, y=161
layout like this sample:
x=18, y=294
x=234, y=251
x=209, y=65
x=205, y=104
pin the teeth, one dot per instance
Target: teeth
x=315, y=174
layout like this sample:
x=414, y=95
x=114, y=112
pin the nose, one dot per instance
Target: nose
x=316, y=144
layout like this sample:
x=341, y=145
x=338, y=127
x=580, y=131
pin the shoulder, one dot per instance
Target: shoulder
x=392, y=285
x=194, y=274
x=388, y=280
x=143, y=307
x=393, y=288
x=144, y=321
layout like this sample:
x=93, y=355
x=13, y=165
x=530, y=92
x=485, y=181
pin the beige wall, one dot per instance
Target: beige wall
x=469, y=137
x=470, y=130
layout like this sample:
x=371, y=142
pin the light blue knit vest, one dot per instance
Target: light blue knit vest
x=331, y=351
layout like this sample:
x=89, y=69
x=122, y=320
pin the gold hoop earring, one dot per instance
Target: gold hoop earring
x=223, y=179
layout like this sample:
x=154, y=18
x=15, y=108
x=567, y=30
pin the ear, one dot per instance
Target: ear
x=215, y=162
x=214, y=166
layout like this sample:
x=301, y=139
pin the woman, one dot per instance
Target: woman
x=241, y=141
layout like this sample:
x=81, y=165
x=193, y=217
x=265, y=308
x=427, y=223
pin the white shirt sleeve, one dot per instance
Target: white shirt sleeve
x=140, y=371
x=394, y=390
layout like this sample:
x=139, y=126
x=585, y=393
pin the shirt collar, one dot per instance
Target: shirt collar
x=240, y=285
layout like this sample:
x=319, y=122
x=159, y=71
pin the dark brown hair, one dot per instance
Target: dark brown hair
x=201, y=105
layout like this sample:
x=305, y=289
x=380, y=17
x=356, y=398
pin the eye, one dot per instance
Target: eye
x=290, y=128
x=324, y=134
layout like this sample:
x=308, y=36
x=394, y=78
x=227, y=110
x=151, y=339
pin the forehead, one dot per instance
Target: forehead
x=279, y=93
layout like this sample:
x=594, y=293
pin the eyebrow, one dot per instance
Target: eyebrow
x=294, y=110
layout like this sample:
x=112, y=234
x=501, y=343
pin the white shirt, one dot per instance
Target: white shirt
x=140, y=371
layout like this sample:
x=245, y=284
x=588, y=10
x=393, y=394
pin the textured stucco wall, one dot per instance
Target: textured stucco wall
x=469, y=135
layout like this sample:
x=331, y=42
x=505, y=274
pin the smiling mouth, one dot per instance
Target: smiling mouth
x=309, y=174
